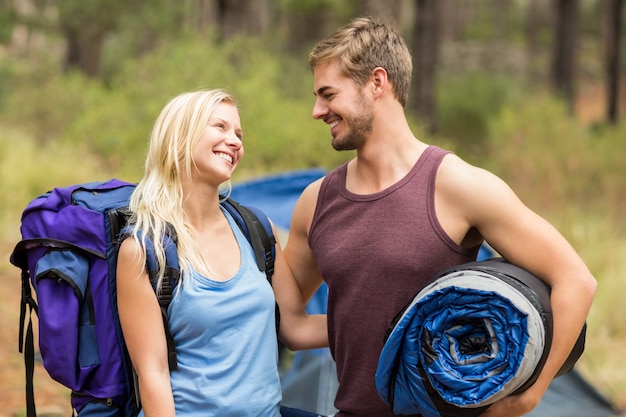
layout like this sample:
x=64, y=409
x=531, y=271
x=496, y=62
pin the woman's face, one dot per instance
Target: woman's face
x=220, y=148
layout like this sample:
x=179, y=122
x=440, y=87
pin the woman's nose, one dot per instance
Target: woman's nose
x=233, y=140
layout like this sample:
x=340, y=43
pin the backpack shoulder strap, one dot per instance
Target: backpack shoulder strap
x=257, y=228
x=172, y=274
x=164, y=295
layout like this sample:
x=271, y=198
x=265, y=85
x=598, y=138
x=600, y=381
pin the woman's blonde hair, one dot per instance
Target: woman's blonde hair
x=157, y=202
x=362, y=45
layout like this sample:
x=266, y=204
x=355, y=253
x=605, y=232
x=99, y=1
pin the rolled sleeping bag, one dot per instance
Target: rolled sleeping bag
x=475, y=334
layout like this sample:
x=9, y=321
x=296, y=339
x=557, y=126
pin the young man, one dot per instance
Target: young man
x=379, y=227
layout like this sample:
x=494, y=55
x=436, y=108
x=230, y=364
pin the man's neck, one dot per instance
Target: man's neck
x=378, y=167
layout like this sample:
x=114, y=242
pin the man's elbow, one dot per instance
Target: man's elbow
x=591, y=285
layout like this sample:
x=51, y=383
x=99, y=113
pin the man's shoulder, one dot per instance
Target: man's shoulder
x=313, y=189
x=453, y=162
x=458, y=175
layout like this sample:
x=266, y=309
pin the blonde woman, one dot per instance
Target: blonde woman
x=222, y=312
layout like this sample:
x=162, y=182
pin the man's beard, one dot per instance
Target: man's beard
x=360, y=127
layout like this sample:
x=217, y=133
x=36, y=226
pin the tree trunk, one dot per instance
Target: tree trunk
x=242, y=17
x=499, y=19
x=388, y=11
x=613, y=58
x=306, y=23
x=85, y=25
x=201, y=15
x=565, y=48
x=532, y=29
x=425, y=59
x=84, y=51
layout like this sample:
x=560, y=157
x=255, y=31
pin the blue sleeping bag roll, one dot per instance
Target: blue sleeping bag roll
x=475, y=334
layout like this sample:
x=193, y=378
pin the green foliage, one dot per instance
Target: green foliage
x=553, y=159
x=149, y=23
x=45, y=103
x=7, y=20
x=479, y=114
x=114, y=122
x=87, y=18
x=483, y=26
x=115, y=129
x=466, y=102
x=6, y=76
x=539, y=127
x=269, y=104
x=527, y=138
x=28, y=169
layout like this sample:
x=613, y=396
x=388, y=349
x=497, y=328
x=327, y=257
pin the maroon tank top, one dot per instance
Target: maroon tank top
x=376, y=252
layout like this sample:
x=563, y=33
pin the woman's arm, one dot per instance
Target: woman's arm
x=142, y=326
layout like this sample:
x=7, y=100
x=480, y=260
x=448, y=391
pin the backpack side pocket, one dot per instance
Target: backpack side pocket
x=67, y=335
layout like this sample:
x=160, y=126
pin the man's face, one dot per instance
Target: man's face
x=342, y=105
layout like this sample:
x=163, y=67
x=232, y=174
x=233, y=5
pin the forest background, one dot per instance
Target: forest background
x=529, y=89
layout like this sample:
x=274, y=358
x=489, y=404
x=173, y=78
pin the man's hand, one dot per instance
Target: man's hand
x=514, y=405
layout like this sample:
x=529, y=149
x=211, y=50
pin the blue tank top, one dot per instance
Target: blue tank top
x=225, y=336
x=376, y=252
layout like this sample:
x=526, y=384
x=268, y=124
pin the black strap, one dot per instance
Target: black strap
x=165, y=298
x=263, y=247
x=262, y=243
x=26, y=344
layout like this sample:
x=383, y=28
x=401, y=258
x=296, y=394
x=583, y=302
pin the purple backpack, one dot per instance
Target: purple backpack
x=68, y=255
